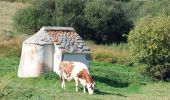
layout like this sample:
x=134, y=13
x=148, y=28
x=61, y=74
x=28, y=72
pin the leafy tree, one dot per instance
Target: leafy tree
x=31, y=19
x=100, y=20
x=69, y=13
x=138, y=9
x=149, y=42
x=105, y=21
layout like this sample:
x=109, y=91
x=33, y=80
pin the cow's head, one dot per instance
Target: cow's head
x=90, y=87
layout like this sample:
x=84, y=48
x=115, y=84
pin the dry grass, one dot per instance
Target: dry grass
x=18, y=0
x=109, y=53
x=3, y=84
x=10, y=42
x=7, y=11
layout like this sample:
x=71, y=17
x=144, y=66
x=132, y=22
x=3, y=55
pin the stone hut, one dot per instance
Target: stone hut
x=43, y=51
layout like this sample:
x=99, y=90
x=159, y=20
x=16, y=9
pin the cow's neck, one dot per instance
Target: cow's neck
x=85, y=75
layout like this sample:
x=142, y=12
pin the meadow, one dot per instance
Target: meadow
x=113, y=81
x=111, y=70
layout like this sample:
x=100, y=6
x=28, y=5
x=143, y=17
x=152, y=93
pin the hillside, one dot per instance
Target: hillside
x=113, y=81
x=7, y=11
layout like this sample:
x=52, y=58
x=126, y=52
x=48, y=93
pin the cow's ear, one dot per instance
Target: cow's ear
x=79, y=74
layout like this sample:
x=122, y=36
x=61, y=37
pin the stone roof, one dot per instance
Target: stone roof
x=66, y=37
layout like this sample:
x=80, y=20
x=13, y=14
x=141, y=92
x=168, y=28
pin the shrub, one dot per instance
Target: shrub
x=92, y=19
x=48, y=13
x=105, y=21
x=149, y=43
x=23, y=1
x=69, y=13
x=141, y=8
x=25, y=23
x=31, y=19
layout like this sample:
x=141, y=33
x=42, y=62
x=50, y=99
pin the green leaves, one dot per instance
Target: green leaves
x=98, y=20
x=149, y=42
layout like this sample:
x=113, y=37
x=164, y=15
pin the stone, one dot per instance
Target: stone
x=79, y=51
x=72, y=49
x=86, y=48
x=80, y=46
x=68, y=39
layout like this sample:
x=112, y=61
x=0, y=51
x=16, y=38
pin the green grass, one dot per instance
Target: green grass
x=112, y=81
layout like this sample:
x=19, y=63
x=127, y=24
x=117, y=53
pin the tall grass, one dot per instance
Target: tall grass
x=23, y=1
x=11, y=44
x=4, y=84
x=10, y=40
x=110, y=53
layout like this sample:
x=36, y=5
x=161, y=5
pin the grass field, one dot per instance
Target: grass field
x=113, y=81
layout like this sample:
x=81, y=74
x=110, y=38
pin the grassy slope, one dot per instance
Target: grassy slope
x=7, y=10
x=112, y=81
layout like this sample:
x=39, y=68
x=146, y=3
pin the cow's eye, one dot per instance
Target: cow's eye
x=91, y=87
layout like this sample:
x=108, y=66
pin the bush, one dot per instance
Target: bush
x=48, y=13
x=139, y=9
x=23, y=1
x=92, y=19
x=31, y=19
x=106, y=21
x=149, y=43
x=69, y=13
x=25, y=23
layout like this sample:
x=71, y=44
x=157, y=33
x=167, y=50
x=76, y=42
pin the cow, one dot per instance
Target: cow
x=78, y=71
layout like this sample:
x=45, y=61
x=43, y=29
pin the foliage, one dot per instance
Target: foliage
x=149, y=43
x=23, y=1
x=31, y=19
x=92, y=19
x=138, y=9
x=106, y=21
x=69, y=13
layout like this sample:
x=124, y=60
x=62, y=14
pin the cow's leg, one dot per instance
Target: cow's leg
x=84, y=88
x=63, y=83
x=83, y=82
x=77, y=82
x=61, y=79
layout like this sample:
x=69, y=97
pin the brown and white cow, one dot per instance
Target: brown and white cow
x=79, y=72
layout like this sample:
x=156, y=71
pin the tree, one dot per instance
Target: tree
x=149, y=42
x=102, y=21
x=31, y=19
x=105, y=21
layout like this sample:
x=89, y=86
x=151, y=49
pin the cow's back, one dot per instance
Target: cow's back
x=78, y=66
